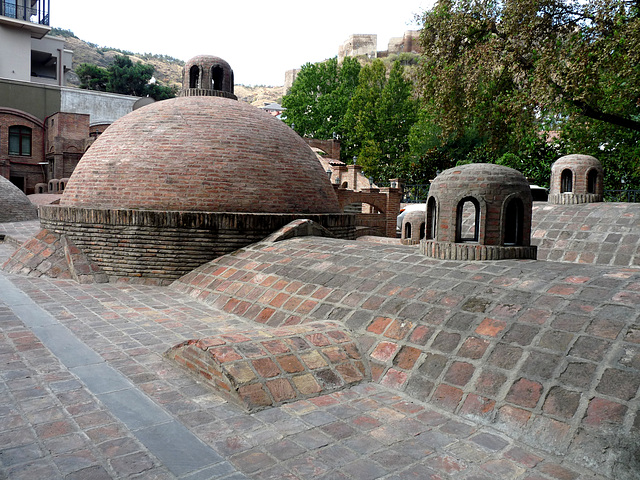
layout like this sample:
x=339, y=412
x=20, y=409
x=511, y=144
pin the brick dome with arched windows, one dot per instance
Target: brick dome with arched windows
x=478, y=212
x=208, y=76
x=576, y=179
x=179, y=182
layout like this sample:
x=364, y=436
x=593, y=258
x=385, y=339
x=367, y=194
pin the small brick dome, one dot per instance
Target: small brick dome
x=207, y=75
x=479, y=205
x=207, y=154
x=14, y=204
x=576, y=179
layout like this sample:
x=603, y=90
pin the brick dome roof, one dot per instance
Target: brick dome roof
x=208, y=154
x=576, y=159
x=481, y=179
x=14, y=204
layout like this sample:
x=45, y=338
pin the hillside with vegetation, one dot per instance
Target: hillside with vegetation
x=167, y=69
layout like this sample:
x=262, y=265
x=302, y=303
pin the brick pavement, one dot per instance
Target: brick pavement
x=56, y=426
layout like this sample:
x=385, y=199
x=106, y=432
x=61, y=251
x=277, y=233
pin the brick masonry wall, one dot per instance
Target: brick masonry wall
x=547, y=352
x=491, y=186
x=23, y=166
x=580, y=166
x=158, y=247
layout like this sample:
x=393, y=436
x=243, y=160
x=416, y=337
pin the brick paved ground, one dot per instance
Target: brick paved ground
x=58, y=422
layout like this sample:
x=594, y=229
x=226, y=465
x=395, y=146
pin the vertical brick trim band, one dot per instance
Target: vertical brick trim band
x=466, y=251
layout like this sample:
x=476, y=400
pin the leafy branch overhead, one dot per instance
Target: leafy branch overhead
x=528, y=58
x=519, y=83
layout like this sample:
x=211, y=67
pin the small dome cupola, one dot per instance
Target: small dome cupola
x=207, y=76
x=576, y=179
x=478, y=212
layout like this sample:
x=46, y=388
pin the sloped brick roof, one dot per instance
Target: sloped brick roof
x=201, y=154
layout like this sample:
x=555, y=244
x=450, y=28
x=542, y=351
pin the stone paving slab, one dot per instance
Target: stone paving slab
x=52, y=425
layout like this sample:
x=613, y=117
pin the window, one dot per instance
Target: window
x=566, y=181
x=468, y=220
x=9, y=8
x=407, y=230
x=422, y=231
x=592, y=181
x=217, y=74
x=20, y=141
x=194, y=77
x=513, y=219
x=431, y=219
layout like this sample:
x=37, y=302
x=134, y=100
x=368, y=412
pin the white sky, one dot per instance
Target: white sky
x=260, y=39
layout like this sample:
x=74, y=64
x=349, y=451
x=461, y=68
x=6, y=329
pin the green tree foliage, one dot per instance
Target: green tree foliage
x=92, y=77
x=378, y=121
x=503, y=73
x=319, y=97
x=124, y=77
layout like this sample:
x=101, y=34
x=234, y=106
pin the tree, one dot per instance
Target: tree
x=124, y=77
x=318, y=100
x=511, y=70
x=128, y=78
x=92, y=77
x=378, y=121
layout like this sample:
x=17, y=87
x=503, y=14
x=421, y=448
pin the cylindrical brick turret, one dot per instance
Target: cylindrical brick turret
x=576, y=179
x=479, y=212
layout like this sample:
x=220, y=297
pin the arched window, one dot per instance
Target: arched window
x=407, y=230
x=194, y=77
x=217, y=75
x=513, y=221
x=566, y=181
x=422, y=231
x=468, y=220
x=592, y=181
x=431, y=219
x=20, y=141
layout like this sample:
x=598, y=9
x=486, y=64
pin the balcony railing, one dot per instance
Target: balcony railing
x=38, y=14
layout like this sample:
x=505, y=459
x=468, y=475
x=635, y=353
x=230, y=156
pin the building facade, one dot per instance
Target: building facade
x=45, y=126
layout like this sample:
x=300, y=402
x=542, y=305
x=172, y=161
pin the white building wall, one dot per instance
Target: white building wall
x=15, y=54
x=102, y=107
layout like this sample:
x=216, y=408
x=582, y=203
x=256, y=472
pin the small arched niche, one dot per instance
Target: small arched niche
x=566, y=181
x=468, y=220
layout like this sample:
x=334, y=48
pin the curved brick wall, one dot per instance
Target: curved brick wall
x=207, y=154
x=14, y=204
x=547, y=352
x=158, y=247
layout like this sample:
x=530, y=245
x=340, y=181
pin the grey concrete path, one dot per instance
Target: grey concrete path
x=86, y=394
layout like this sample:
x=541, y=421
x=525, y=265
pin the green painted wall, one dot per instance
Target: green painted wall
x=36, y=99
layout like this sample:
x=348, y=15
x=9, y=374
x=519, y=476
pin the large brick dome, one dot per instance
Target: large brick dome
x=207, y=154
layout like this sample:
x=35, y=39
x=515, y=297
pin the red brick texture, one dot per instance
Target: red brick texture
x=543, y=351
x=267, y=367
x=155, y=247
x=54, y=256
x=206, y=154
